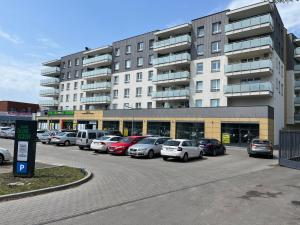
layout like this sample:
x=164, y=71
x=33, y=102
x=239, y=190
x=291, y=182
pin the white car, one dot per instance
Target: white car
x=5, y=156
x=101, y=144
x=183, y=149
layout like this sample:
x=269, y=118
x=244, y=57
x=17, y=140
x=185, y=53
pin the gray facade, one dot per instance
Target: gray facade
x=65, y=68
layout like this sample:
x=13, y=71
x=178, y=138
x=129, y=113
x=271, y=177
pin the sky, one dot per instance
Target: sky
x=35, y=31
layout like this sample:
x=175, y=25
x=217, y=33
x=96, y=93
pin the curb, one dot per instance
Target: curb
x=89, y=176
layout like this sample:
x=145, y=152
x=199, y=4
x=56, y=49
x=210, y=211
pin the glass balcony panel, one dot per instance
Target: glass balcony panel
x=97, y=99
x=99, y=58
x=96, y=86
x=250, y=87
x=297, y=51
x=172, y=58
x=248, y=66
x=49, y=81
x=96, y=72
x=48, y=103
x=297, y=83
x=49, y=92
x=50, y=70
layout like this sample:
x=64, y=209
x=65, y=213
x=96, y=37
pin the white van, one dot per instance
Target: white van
x=85, y=138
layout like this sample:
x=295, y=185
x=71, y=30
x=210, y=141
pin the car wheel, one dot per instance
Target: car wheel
x=165, y=158
x=224, y=151
x=44, y=143
x=81, y=148
x=185, y=157
x=67, y=143
x=201, y=155
x=214, y=152
x=271, y=157
x=1, y=159
x=250, y=155
x=150, y=154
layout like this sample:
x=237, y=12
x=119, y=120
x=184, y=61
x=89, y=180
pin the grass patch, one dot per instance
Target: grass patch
x=47, y=177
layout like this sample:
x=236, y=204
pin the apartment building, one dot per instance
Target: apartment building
x=228, y=62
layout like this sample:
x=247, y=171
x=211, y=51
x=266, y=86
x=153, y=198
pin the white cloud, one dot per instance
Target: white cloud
x=10, y=37
x=289, y=12
x=45, y=42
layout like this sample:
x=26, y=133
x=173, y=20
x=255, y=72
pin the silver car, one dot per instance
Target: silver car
x=45, y=138
x=64, y=138
x=148, y=147
x=5, y=156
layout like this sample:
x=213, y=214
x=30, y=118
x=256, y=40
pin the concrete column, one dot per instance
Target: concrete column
x=100, y=124
x=121, y=126
x=145, y=127
x=212, y=128
x=173, y=129
x=75, y=124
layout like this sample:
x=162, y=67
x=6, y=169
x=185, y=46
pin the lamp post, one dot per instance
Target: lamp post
x=132, y=123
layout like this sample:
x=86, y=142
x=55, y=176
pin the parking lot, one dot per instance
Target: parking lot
x=229, y=189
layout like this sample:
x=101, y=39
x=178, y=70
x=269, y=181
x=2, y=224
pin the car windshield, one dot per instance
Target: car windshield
x=103, y=138
x=126, y=140
x=172, y=143
x=261, y=142
x=203, y=141
x=147, y=141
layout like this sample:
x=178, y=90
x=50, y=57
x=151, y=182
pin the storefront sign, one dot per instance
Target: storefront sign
x=226, y=138
x=61, y=113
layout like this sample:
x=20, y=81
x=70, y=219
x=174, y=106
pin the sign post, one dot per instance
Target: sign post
x=24, y=148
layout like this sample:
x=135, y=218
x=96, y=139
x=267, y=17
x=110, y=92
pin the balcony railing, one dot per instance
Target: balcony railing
x=48, y=103
x=297, y=84
x=171, y=76
x=297, y=52
x=172, y=58
x=95, y=86
x=50, y=70
x=171, y=94
x=254, y=43
x=98, y=59
x=255, y=65
x=50, y=81
x=96, y=72
x=251, y=22
x=297, y=117
x=297, y=100
x=172, y=41
x=95, y=100
x=244, y=88
x=49, y=92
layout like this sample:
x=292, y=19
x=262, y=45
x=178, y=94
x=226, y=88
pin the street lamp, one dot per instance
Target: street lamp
x=132, y=126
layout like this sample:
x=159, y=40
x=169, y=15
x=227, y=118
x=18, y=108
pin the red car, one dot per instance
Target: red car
x=121, y=147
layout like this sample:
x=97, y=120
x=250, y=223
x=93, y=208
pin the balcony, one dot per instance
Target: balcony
x=97, y=73
x=251, y=89
x=101, y=60
x=254, y=26
x=249, y=48
x=96, y=87
x=96, y=100
x=48, y=103
x=51, y=72
x=172, y=60
x=173, y=31
x=297, y=85
x=297, y=53
x=297, y=69
x=181, y=94
x=171, y=78
x=174, y=44
x=98, y=51
x=297, y=118
x=53, y=63
x=52, y=82
x=297, y=101
x=238, y=70
x=49, y=93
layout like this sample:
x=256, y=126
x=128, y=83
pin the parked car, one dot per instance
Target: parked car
x=45, y=138
x=260, y=147
x=114, y=133
x=85, y=137
x=64, y=138
x=183, y=149
x=149, y=147
x=8, y=133
x=102, y=144
x=3, y=131
x=212, y=147
x=39, y=133
x=5, y=156
x=121, y=147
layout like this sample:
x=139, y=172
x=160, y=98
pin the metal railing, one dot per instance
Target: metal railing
x=253, y=21
x=255, y=65
x=172, y=41
x=100, y=58
x=171, y=76
x=172, y=58
x=254, y=43
x=171, y=94
x=102, y=85
x=50, y=70
x=251, y=87
x=49, y=81
x=97, y=99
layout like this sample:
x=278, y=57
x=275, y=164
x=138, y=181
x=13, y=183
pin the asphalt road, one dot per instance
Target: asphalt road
x=230, y=189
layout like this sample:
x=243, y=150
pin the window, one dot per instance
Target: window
x=62, y=87
x=76, y=73
x=150, y=89
x=151, y=44
x=67, y=98
x=81, y=95
x=127, y=78
x=128, y=64
x=126, y=93
x=64, y=65
x=200, y=31
x=74, y=108
x=74, y=97
x=126, y=105
x=198, y=103
x=75, y=85
x=149, y=105
x=215, y=47
x=150, y=75
x=68, y=86
x=117, y=66
x=80, y=107
x=63, y=76
x=138, y=105
x=114, y=106
x=140, y=46
x=115, y=94
x=82, y=83
x=200, y=49
x=140, y=61
x=117, y=51
x=69, y=63
x=61, y=98
x=216, y=27
x=214, y=102
x=215, y=85
x=215, y=66
x=116, y=79
x=128, y=49
x=69, y=75
x=77, y=62
x=138, y=92
x=199, y=86
x=139, y=77
x=199, y=68
x=151, y=57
